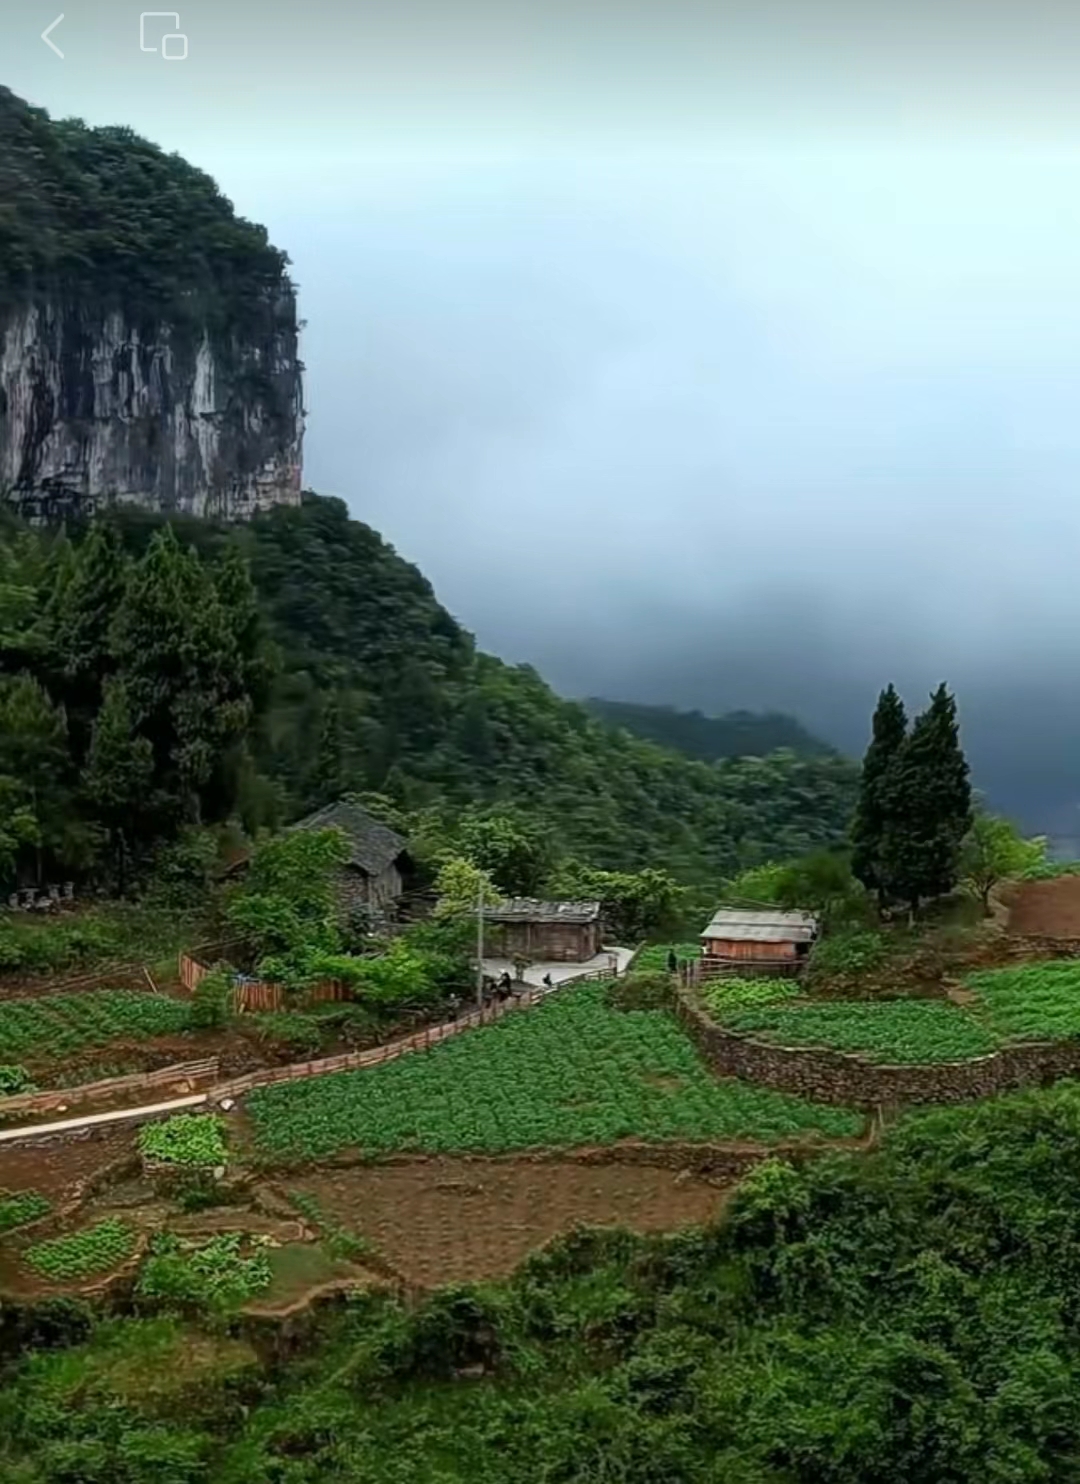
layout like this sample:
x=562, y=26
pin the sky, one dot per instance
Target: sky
x=715, y=355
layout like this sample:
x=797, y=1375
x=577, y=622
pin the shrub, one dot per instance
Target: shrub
x=211, y=1001
x=849, y=953
x=642, y=989
x=196, y=1139
x=14, y=1080
x=217, y=1274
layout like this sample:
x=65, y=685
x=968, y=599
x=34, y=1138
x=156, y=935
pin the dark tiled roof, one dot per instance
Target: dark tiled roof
x=372, y=846
x=526, y=909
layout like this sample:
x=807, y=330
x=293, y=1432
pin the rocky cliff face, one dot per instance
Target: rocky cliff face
x=96, y=408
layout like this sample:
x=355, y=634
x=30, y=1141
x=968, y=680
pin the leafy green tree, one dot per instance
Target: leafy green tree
x=635, y=904
x=889, y=729
x=34, y=762
x=512, y=849
x=287, y=906
x=459, y=886
x=928, y=806
x=994, y=851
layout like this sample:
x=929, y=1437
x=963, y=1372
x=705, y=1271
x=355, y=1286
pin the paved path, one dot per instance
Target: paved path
x=91, y=1120
x=420, y=1040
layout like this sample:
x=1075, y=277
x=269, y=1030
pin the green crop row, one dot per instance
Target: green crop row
x=55, y=1024
x=194, y=1139
x=891, y=1031
x=96, y=1249
x=21, y=1206
x=1039, y=1001
x=724, y=995
x=570, y=1072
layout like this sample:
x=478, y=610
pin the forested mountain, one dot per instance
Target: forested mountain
x=148, y=334
x=706, y=738
x=135, y=662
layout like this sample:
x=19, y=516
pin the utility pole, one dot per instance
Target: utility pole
x=480, y=946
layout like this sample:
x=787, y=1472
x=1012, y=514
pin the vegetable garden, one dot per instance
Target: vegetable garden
x=193, y=1139
x=570, y=1072
x=892, y=1031
x=82, y=1254
x=63, y=1023
x=1037, y=1001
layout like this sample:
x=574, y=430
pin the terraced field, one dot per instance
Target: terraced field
x=570, y=1072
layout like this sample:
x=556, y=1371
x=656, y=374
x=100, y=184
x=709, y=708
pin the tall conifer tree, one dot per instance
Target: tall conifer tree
x=867, y=832
x=927, y=806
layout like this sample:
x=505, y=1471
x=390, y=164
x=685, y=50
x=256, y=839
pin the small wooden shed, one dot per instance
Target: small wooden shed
x=763, y=938
x=553, y=932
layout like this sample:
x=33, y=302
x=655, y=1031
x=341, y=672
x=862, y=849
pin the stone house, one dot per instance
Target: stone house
x=373, y=874
x=554, y=932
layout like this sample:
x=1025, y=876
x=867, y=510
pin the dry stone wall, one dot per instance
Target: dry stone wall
x=828, y=1076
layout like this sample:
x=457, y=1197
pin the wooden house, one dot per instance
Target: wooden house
x=762, y=940
x=543, y=932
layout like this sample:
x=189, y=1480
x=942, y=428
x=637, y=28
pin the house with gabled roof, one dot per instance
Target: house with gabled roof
x=558, y=932
x=373, y=873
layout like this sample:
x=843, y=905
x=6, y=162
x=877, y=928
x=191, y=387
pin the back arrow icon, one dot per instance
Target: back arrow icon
x=45, y=35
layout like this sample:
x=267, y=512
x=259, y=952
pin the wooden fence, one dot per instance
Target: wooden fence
x=423, y=1040
x=699, y=970
x=186, y=1073
x=257, y=996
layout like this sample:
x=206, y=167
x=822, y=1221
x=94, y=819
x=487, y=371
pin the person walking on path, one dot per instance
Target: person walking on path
x=454, y=1003
x=672, y=962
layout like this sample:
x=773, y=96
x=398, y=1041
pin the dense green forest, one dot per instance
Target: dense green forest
x=894, y=1318
x=158, y=678
x=707, y=738
x=103, y=218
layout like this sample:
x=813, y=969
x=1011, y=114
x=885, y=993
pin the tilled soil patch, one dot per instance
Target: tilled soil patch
x=445, y=1220
x=1049, y=909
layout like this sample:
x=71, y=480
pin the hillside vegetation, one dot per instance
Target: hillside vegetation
x=707, y=738
x=936, y=1278
x=109, y=219
x=156, y=677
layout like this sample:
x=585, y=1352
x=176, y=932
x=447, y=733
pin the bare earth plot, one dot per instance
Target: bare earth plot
x=1049, y=909
x=448, y=1221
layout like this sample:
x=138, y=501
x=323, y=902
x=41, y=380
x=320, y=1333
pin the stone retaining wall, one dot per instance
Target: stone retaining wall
x=827, y=1076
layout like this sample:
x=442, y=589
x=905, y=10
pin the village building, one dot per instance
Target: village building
x=372, y=876
x=555, y=932
x=762, y=940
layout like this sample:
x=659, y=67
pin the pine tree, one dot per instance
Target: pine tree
x=868, y=829
x=928, y=806
x=118, y=775
x=83, y=605
x=183, y=674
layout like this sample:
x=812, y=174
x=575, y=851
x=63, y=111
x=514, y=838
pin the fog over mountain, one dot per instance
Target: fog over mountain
x=697, y=356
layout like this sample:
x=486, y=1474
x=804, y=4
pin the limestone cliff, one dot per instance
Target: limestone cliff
x=94, y=409
x=148, y=335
